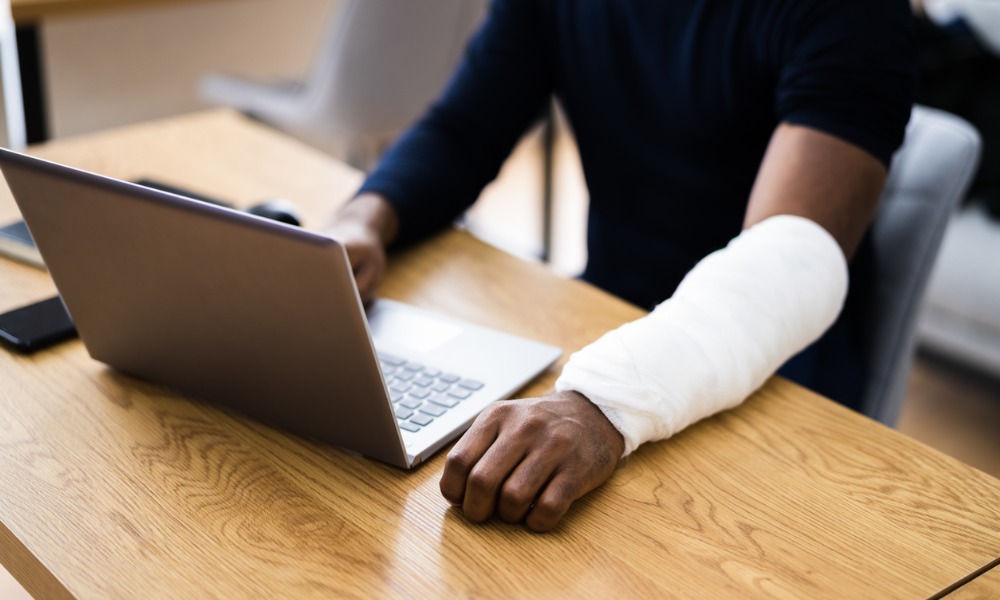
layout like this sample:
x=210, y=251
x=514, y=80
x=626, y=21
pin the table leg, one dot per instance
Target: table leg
x=29, y=51
x=548, y=181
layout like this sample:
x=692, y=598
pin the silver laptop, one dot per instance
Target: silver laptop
x=259, y=316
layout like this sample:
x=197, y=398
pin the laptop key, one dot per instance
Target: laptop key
x=409, y=426
x=420, y=393
x=444, y=400
x=411, y=383
x=459, y=393
x=423, y=380
x=387, y=369
x=433, y=409
x=412, y=403
x=390, y=359
x=422, y=420
x=471, y=384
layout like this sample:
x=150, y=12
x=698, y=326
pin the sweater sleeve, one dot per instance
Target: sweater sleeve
x=848, y=68
x=437, y=169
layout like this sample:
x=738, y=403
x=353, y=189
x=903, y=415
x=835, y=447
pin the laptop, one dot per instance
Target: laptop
x=259, y=316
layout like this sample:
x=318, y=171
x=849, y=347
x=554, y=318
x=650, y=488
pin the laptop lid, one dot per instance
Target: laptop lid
x=248, y=313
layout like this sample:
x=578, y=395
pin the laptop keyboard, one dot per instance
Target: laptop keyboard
x=421, y=394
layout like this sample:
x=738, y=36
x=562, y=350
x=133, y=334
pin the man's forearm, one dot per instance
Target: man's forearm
x=737, y=316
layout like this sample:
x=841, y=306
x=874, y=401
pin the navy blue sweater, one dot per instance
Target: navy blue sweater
x=673, y=104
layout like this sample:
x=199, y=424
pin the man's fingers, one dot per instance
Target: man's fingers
x=364, y=278
x=522, y=488
x=367, y=272
x=553, y=503
x=490, y=473
x=355, y=255
x=464, y=456
x=529, y=460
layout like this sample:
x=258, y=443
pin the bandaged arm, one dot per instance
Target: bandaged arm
x=732, y=322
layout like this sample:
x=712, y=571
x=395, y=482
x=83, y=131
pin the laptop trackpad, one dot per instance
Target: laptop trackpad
x=409, y=329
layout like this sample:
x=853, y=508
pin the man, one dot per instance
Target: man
x=766, y=125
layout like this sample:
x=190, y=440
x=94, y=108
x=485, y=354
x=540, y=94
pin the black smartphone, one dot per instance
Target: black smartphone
x=36, y=326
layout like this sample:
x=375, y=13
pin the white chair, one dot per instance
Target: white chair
x=380, y=66
x=961, y=316
x=929, y=175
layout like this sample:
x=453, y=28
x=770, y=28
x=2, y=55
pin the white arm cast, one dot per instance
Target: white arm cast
x=733, y=321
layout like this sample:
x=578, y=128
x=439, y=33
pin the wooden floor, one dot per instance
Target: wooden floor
x=947, y=407
x=955, y=410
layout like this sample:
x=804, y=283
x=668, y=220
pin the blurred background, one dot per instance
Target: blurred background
x=132, y=62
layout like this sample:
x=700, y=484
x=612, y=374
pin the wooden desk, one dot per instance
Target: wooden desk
x=113, y=488
x=984, y=587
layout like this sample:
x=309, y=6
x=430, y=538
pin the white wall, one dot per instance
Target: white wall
x=127, y=65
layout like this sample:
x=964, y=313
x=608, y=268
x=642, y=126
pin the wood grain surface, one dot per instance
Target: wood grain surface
x=112, y=487
x=984, y=587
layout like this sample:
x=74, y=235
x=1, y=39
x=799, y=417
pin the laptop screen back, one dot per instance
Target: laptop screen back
x=255, y=315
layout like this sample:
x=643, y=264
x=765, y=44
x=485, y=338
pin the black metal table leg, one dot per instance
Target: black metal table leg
x=29, y=51
x=548, y=150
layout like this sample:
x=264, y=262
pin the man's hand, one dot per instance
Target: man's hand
x=528, y=460
x=365, y=226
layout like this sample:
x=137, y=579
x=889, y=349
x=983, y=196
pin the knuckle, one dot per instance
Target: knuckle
x=534, y=421
x=547, y=512
x=480, y=481
x=551, y=506
x=560, y=438
x=517, y=495
x=457, y=465
x=458, y=462
x=544, y=517
x=492, y=413
x=533, y=424
x=504, y=407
